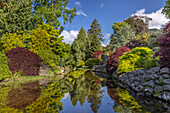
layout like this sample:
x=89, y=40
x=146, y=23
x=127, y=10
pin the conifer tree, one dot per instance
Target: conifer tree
x=79, y=49
x=16, y=15
x=95, y=35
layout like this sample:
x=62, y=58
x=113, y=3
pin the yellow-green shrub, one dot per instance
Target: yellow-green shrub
x=4, y=69
x=50, y=59
x=137, y=58
x=144, y=38
x=92, y=62
x=13, y=40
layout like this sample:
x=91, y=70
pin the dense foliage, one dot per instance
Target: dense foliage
x=80, y=49
x=92, y=62
x=17, y=15
x=139, y=24
x=135, y=43
x=123, y=36
x=137, y=58
x=4, y=69
x=51, y=11
x=46, y=37
x=50, y=59
x=22, y=59
x=95, y=35
x=112, y=60
x=166, y=9
x=13, y=40
x=164, y=43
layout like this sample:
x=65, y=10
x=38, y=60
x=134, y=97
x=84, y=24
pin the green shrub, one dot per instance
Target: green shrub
x=137, y=58
x=4, y=69
x=92, y=62
x=50, y=59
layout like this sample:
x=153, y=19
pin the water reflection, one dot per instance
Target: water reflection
x=78, y=92
x=20, y=98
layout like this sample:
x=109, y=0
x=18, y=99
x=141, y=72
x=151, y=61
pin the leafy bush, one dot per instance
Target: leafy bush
x=112, y=60
x=13, y=40
x=164, y=43
x=144, y=38
x=92, y=62
x=21, y=59
x=97, y=54
x=4, y=69
x=137, y=58
x=44, y=37
x=50, y=59
x=135, y=43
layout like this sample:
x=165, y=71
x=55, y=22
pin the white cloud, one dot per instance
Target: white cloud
x=107, y=36
x=107, y=39
x=69, y=36
x=158, y=19
x=103, y=45
x=81, y=13
x=101, y=5
x=78, y=3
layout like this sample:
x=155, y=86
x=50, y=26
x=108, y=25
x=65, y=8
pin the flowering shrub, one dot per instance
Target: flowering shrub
x=137, y=58
x=112, y=60
x=97, y=54
x=4, y=69
x=22, y=59
x=164, y=43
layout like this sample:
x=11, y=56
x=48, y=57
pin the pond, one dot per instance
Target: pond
x=78, y=92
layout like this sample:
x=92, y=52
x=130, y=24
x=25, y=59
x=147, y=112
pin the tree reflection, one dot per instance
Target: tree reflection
x=19, y=98
x=82, y=88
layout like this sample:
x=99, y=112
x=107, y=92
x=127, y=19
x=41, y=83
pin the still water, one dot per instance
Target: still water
x=78, y=92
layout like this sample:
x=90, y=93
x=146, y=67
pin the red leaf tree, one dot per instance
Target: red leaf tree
x=164, y=43
x=21, y=59
x=97, y=54
x=112, y=60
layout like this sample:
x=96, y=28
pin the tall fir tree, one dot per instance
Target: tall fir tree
x=79, y=49
x=95, y=35
x=16, y=15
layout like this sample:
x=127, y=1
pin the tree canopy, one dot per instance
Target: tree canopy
x=95, y=35
x=17, y=15
x=51, y=10
x=166, y=9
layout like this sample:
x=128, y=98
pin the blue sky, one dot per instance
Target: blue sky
x=109, y=11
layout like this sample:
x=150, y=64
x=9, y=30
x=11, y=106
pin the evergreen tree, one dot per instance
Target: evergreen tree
x=16, y=15
x=122, y=36
x=51, y=10
x=95, y=35
x=79, y=49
